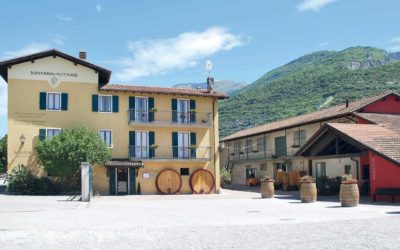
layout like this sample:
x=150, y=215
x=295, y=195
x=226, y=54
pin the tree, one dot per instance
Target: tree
x=3, y=154
x=62, y=155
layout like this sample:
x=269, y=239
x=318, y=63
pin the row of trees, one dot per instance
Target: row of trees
x=3, y=154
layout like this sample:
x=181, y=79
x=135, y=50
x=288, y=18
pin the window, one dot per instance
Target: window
x=250, y=172
x=142, y=144
x=50, y=133
x=141, y=114
x=183, y=111
x=347, y=169
x=280, y=146
x=184, y=171
x=299, y=138
x=249, y=145
x=260, y=144
x=106, y=136
x=183, y=144
x=54, y=101
x=263, y=166
x=236, y=147
x=321, y=169
x=105, y=103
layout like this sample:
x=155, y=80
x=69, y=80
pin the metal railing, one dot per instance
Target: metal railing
x=246, y=154
x=169, y=117
x=169, y=153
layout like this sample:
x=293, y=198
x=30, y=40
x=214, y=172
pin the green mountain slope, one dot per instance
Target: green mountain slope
x=318, y=80
x=224, y=86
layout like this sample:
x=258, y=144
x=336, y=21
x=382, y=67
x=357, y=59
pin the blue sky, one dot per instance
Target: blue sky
x=167, y=42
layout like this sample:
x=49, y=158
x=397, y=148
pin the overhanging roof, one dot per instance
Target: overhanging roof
x=104, y=74
x=124, y=163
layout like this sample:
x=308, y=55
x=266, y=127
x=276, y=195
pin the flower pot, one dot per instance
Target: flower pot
x=308, y=192
x=349, y=195
x=267, y=189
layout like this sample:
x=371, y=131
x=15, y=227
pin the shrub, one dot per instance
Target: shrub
x=306, y=179
x=3, y=154
x=266, y=179
x=348, y=179
x=328, y=186
x=225, y=176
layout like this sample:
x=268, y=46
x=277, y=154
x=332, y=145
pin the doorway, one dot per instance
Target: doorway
x=122, y=181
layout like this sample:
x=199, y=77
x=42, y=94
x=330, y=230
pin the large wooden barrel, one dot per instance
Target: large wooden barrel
x=308, y=192
x=349, y=195
x=202, y=181
x=267, y=189
x=168, y=181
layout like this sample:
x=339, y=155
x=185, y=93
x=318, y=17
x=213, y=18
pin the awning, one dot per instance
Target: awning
x=123, y=163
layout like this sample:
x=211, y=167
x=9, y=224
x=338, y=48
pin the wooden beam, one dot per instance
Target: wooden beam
x=336, y=156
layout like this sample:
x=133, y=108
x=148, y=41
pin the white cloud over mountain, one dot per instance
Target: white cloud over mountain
x=313, y=5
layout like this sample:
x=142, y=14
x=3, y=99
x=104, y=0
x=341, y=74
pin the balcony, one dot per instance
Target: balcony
x=255, y=155
x=169, y=118
x=159, y=153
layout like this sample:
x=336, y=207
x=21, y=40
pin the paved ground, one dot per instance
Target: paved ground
x=233, y=220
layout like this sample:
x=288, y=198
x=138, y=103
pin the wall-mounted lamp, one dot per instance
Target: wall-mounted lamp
x=22, y=139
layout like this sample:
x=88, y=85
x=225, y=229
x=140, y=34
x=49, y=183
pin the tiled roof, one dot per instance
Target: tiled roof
x=387, y=120
x=123, y=163
x=321, y=115
x=377, y=138
x=161, y=90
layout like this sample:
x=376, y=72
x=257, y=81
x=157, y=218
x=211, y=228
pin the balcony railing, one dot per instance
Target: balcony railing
x=248, y=154
x=169, y=153
x=169, y=117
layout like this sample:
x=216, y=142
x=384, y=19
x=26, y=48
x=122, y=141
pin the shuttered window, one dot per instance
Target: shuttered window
x=53, y=101
x=299, y=138
x=105, y=103
x=106, y=136
x=280, y=146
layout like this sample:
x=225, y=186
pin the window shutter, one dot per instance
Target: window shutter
x=131, y=102
x=280, y=146
x=42, y=100
x=111, y=175
x=95, y=103
x=115, y=104
x=192, y=111
x=64, y=101
x=174, y=144
x=151, y=109
x=132, y=181
x=174, y=108
x=193, y=145
x=131, y=143
x=42, y=134
x=152, y=150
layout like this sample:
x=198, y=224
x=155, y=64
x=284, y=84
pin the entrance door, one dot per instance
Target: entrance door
x=183, y=111
x=141, y=114
x=122, y=181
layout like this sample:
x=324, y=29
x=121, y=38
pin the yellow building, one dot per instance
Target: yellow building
x=163, y=128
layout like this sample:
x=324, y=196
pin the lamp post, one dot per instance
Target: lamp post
x=22, y=139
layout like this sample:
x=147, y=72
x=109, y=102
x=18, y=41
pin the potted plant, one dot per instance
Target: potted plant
x=267, y=187
x=155, y=146
x=193, y=111
x=308, y=189
x=349, y=192
x=153, y=110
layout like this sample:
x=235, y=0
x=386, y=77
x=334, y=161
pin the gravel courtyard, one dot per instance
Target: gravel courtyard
x=233, y=220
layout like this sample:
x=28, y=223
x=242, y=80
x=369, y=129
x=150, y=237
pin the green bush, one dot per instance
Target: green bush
x=328, y=186
x=225, y=176
x=3, y=154
x=22, y=182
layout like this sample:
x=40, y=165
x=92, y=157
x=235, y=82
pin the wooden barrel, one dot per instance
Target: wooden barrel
x=267, y=189
x=168, y=181
x=202, y=181
x=349, y=195
x=308, y=192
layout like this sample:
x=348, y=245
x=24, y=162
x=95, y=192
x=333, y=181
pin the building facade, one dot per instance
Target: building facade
x=163, y=128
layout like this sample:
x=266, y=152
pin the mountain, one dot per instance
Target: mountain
x=224, y=86
x=318, y=80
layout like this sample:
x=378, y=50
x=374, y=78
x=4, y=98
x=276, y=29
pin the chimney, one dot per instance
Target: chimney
x=210, y=81
x=82, y=55
x=347, y=103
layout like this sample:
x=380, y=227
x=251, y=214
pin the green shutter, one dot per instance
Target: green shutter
x=174, y=144
x=131, y=111
x=132, y=181
x=280, y=146
x=152, y=141
x=42, y=134
x=192, y=111
x=95, y=103
x=115, y=104
x=131, y=143
x=174, y=108
x=131, y=102
x=151, y=109
x=111, y=175
x=193, y=145
x=64, y=101
x=42, y=100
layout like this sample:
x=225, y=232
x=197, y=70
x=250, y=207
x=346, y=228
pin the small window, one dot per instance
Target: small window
x=263, y=167
x=249, y=145
x=250, y=172
x=236, y=147
x=105, y=103
x=184, y=171
x=260, y=144
x=50, y=133
x=321, y=169
x=299, y=138
x=53, y=101
x=347, y=169
x=106, y=136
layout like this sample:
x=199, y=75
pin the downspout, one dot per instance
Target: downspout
x=213, y=128
x=357, y=166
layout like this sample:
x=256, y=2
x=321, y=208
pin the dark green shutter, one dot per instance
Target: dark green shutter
x=131, y=143
x=174, y=144
x=95, y=103
x=152, y=141
x=280, y=146
x=192, y=111
x=193, y=145
x=131, y=108
x=132, y=181
x=64, y=101
x=151, y=109
x=115, y=104
x=174, y=108
x=42, y=100
x=42, y=134
x=111, y=175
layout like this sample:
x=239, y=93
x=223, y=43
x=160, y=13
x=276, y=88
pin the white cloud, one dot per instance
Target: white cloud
x=58, y=39
x=314, y=5
x=3, y=97
x=64, y=18
x=29, y=49
x=152, y=57
x=323, y=44
x=99, y=8
x=395, y=39
x=395, y=44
